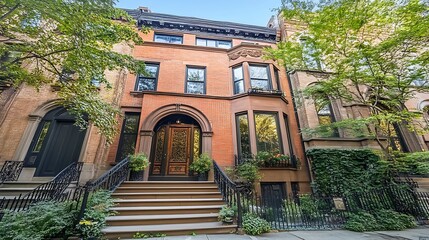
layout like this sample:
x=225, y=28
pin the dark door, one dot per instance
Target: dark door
x=175, y=147
x=56, y=144
x=273, y=194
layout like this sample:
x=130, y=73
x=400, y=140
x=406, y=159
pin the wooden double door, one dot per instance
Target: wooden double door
x=175, y=146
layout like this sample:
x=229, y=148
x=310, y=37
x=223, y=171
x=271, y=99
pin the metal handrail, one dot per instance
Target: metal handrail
x=52, y=190
x=109, y=181
x=10, y=171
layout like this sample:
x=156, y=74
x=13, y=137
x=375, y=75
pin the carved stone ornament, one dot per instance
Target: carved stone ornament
x=244, y=53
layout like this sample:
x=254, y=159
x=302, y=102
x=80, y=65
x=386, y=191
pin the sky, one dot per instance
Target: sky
x=253, y=12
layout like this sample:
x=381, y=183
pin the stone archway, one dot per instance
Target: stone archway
x=148, y=125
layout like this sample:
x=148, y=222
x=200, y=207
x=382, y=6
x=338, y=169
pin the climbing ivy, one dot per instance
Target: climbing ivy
x=339, y=171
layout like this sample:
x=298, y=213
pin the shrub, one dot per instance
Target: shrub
x=380, y=220
x=201, y=164
x=226, y=214
x=391, y=220
x=248, y=172
x=97, y=210
x=138, y=162
x=361, y=222
x=43, y=220
x=254, y=225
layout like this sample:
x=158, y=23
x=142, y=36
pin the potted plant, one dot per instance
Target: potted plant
x=227, y=214
x=201, y=166
x=138, y=163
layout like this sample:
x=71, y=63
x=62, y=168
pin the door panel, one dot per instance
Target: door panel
x=179, y=148
x=160, y=153
x=63, y=148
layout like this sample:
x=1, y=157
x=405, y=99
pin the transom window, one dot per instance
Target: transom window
x=168, y=39
x=148, y=80
x=238, y=78
x=196, y=80
x=259, y=77
x=214, y=43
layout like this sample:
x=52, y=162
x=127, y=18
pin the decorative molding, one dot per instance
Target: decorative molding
x=319, y=75
x=207, y=134
x=245, y=53
x=146, y=133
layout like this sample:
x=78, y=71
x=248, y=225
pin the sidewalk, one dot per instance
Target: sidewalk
x=420, y=233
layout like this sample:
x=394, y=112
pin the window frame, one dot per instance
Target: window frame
x=216, y=42
x=204, y=82
x=277, y=77
x=122, y=133
x=167, y=35
x=234, y=81
x=238, y=133
x=332, y=118
x=155, y=78
x=269, y=78
x=278, y=129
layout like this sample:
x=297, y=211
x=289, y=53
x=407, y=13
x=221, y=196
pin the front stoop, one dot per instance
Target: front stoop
x=171, y=208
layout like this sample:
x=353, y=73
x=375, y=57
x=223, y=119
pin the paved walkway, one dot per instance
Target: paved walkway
x=420, y=233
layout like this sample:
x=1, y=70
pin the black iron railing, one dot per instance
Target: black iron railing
x=54, y=190
x=108, y=181
x=11, y=171
x=291, y=162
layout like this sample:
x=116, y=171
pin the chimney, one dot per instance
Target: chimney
x=144, y=9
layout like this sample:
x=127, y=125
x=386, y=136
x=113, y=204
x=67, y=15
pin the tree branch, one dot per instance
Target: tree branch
x=9, y=12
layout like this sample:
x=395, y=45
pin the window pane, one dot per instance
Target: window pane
x=42, y=136
x=151, y=70
x=224, y=44
x=276, y=75
x=238, y=87
x=195, y=87
x=243, y=136
x=211, y=43
x=162, y=38
x=324, y=119
x=260, y=84
x=177, y=40
x=325, y=110
x=131, y=124
x=267, y=136
x=195, y=74
x=201, y=42
x=258, y=72
x=128, y=146
x=146, y=84
x=238, y=73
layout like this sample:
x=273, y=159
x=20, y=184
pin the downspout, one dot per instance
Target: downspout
x=299, y=129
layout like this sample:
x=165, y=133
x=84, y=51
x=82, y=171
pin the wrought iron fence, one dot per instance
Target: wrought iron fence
x=10, y=171
x=291, y=162
x=108, y=181
x=296, y=212
x=54, y=190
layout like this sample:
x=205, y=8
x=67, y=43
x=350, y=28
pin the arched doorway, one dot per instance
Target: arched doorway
x=57, y=143
x=176, y=143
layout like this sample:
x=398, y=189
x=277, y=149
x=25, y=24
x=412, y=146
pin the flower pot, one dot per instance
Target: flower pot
x=203, y=176
x=136, y=175
x=228, y=220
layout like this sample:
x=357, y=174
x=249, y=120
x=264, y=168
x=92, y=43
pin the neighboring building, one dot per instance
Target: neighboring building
x=207, y=90
x=311, y=116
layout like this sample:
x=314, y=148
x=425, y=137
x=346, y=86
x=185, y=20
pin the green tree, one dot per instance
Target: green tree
x=69, y=44
x=376, y=53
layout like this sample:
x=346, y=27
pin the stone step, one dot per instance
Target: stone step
x=115, y=232
x=138, y=189
x=168, y=202
x=162, y=210
x=168, y=183
x=160, y=219
x=14, y=191
x=21, y=184
x=166, y=195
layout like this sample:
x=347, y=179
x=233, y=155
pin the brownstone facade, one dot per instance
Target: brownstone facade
x=202, y=76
